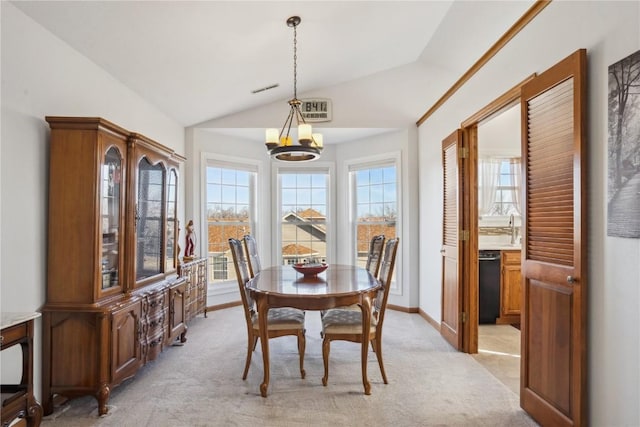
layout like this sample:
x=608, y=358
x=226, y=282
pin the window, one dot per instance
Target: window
x=303, y=216
x=230, y=211
x=499, y=186
x=376, y=206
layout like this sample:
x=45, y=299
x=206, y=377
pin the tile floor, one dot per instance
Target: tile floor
x=499, y=353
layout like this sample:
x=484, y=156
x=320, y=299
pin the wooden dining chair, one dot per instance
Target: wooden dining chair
x=346, y=324
x=280, y=321
x=375, y=255
x=251, y=247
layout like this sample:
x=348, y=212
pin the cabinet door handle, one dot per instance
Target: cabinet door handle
x=137, y=217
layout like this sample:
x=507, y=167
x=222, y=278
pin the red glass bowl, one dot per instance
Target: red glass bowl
x=310, y=270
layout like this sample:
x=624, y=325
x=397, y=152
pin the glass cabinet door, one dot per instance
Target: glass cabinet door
x=149, y=219
x=172, y=213
x=110, y=217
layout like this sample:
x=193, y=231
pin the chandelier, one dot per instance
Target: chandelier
x=279, y=143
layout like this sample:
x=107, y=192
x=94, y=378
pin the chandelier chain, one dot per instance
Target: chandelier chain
x=295, y=62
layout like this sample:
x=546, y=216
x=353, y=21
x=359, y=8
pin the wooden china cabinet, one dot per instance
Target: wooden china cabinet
x=114, y=299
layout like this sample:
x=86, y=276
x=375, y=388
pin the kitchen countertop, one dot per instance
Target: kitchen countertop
x=499, y=247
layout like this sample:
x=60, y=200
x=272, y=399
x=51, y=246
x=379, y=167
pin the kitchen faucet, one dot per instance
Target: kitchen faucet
x=512, y=225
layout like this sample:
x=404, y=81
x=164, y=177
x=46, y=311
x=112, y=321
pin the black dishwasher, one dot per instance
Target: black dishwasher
x=489, y=286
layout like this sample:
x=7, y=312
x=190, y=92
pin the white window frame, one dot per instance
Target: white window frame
x=230, y=162
x=378, y=161
x=323, y=167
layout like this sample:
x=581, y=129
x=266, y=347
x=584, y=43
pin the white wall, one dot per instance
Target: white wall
x=609, y=31
x=42, y=76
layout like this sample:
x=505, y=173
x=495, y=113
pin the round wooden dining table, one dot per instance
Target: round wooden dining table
x=339, y=285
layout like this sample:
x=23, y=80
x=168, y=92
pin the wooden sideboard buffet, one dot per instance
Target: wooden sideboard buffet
x=114, y=297
x=195, y=273
x=17, y=399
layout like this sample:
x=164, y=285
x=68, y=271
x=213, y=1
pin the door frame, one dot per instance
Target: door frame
x=470, y=274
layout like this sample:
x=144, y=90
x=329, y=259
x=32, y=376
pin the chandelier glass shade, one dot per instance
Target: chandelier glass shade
x=280, y=144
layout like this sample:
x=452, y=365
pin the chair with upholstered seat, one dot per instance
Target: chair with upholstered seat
x=251, y=247
x=346, y=323
x=375, y=255
x=281, y=321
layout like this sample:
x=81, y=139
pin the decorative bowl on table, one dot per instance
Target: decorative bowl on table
x=310, y=269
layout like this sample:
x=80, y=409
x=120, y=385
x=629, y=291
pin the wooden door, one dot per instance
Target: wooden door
x=554, y=336
x=177, y=311
x=126, y=356
x=451, y=322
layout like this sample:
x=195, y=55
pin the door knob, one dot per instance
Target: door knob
x=571, y=279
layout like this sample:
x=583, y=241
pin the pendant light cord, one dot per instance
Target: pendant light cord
x=295, y=62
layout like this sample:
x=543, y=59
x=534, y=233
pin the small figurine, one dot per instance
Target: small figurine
x=190, y=247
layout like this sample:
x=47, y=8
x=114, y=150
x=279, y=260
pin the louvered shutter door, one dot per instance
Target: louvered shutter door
x=450, y=325
x=550, y=176
x=553, y=356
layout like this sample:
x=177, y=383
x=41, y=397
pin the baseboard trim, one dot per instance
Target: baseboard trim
x=223, y=306
x=402, y=309
x=430, y=320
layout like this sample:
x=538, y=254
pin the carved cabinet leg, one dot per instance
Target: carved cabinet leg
x=103, y=397
x=34, y=416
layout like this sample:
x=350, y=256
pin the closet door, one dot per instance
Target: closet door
x=451, y=322
x=554, y=348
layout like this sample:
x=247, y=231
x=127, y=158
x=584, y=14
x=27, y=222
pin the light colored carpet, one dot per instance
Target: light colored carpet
x=200, y=384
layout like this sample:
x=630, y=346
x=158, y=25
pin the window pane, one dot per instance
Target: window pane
x=303, y=198
x=229, y=213
x=288, y=180
x=362, y=194
x=242, y=195
x=376, y=176
x=362, y=177
x=376, y=194
x=303, y=181
x=318, y=181
x=213, y=191
x=504, y=203
x=389, y=174
x=242, y=178
x=318, y=196
x=376, y=207
x=363, y=211
x=214, y=175
x=390, y=192
x=229, y=176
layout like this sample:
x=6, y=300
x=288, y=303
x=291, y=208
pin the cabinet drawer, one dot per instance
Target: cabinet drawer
x=156, y=302
x=158, y=321
x=14, y=334
x=511, y=257
x=155, y=345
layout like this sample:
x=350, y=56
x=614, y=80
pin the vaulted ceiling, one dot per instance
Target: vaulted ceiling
x=199, y=61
